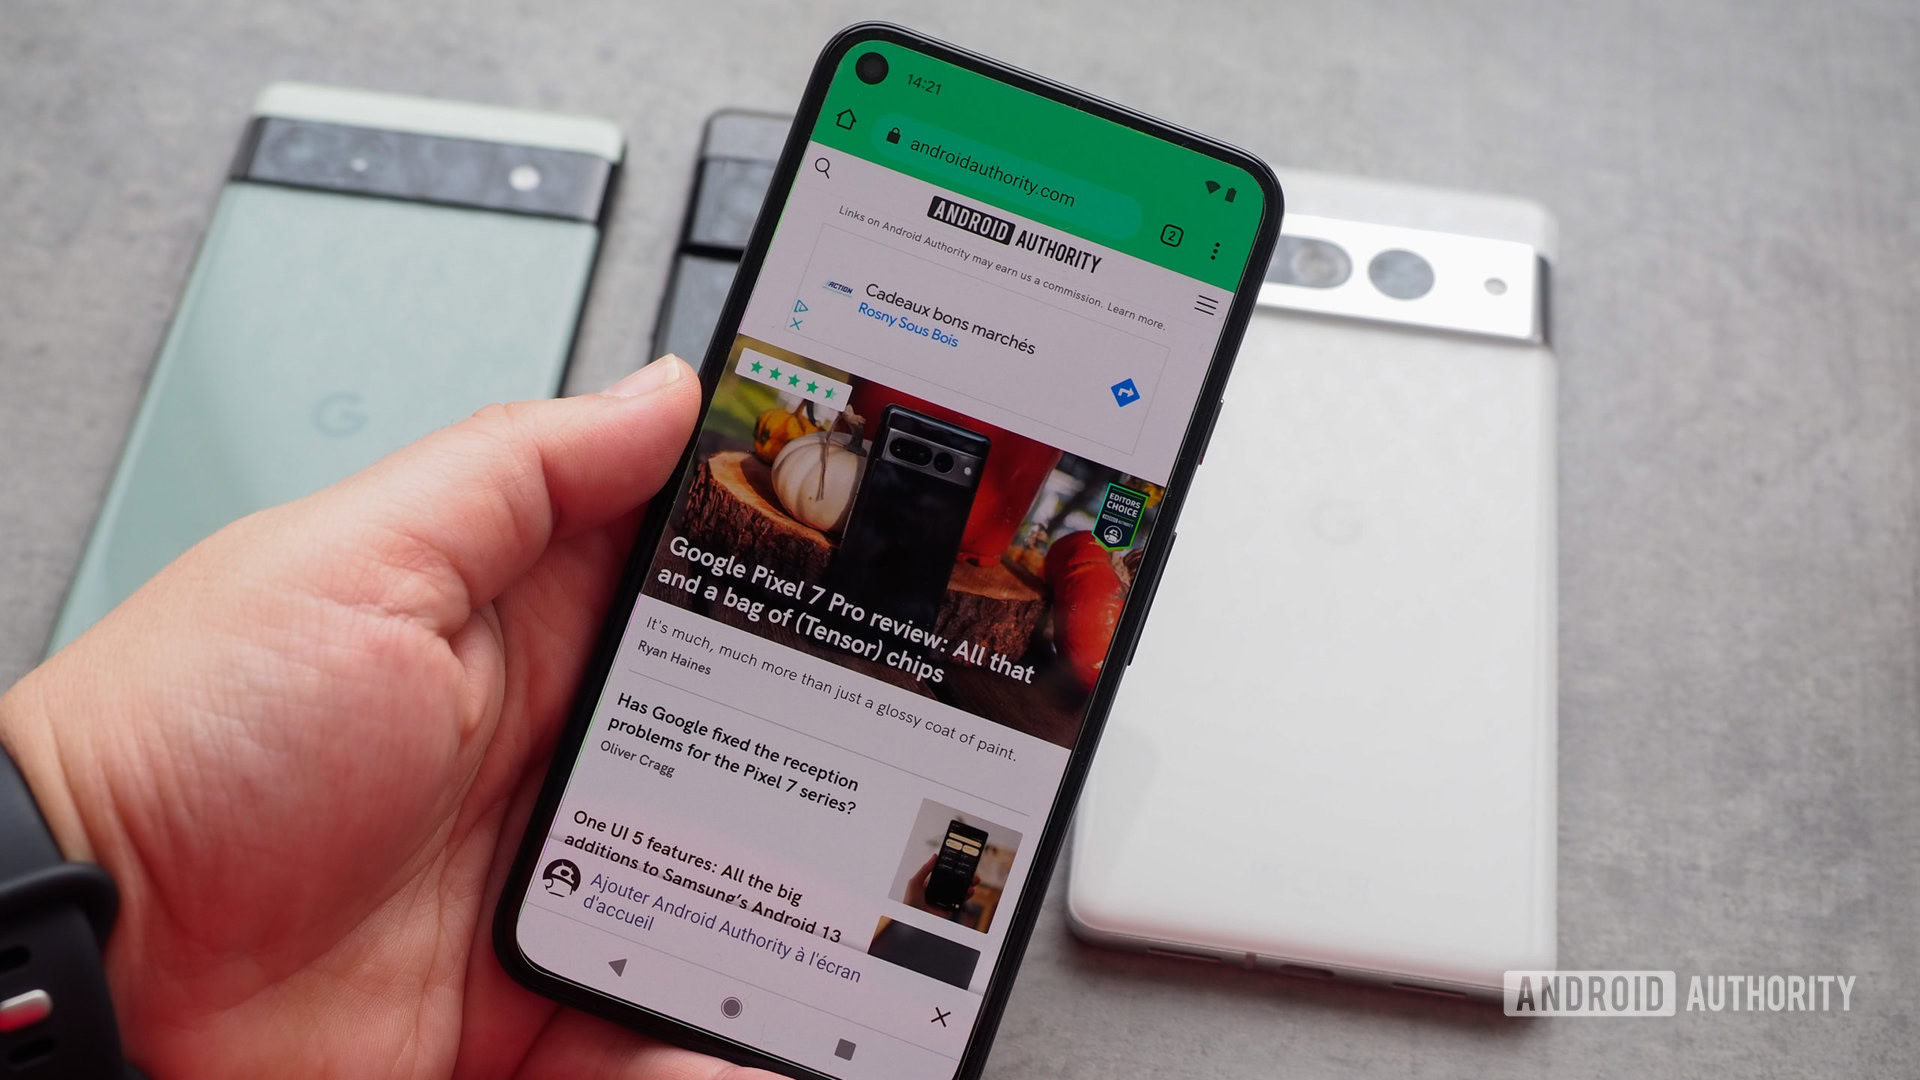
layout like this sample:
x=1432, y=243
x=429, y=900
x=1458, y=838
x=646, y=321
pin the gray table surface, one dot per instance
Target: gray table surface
x=1738, y=186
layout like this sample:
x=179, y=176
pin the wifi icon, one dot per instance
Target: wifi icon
x=1214, y=186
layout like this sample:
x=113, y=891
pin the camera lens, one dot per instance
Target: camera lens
x=943, y=462
x=1312, y=264
x=1401, y=274
x=871, y=67
x=299, y=152
x=303, y=148
x=909, y=451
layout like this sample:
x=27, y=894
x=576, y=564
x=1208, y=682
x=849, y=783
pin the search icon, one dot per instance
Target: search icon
x=821, y=165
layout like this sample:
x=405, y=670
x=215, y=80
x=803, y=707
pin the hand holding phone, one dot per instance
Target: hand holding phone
x=981, y=317
x=296, y=743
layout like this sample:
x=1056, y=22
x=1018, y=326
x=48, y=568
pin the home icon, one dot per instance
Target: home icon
x=845, y=119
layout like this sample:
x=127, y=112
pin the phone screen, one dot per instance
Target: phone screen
x=835, y=731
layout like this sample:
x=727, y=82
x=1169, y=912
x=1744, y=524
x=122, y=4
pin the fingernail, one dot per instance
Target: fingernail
x=661, y=372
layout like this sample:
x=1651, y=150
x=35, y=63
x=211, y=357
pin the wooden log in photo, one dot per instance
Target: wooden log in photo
x=731, y=508
x=990, y=606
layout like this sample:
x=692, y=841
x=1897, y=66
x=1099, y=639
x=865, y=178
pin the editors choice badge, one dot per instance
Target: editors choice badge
x=1119, y=517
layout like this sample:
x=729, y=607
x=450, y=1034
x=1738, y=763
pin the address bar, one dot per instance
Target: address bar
x=970, y=166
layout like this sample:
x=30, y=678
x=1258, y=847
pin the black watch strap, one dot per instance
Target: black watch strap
x=56, y=1018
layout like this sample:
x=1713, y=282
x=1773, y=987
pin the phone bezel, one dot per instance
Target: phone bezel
x=1133, y=614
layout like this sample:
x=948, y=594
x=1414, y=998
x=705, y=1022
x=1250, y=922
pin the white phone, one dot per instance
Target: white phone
x=1334, y=753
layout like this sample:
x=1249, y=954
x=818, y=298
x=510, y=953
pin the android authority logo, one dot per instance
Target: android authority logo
x=561, y=878
x=969, y=219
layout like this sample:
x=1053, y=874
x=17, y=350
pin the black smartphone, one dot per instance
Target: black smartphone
x=738, y=152
x=966, y=260
x=953, y=868
x=904, y=529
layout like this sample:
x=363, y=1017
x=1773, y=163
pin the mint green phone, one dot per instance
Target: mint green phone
x=377, y=267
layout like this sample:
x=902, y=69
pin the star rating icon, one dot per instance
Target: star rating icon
x=793, y=378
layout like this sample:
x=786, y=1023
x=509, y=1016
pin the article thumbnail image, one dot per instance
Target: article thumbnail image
x=929, y=954
x=956, y=559
x=955, y=866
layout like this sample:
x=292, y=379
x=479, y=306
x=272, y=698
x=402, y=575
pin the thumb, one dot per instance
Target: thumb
x=468, y=509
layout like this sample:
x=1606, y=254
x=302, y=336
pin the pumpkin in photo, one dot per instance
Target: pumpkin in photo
x=815, y=477
x=777, y=427
x=1087, y=597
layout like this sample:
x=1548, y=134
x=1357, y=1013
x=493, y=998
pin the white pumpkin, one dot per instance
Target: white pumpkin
x=815, y=477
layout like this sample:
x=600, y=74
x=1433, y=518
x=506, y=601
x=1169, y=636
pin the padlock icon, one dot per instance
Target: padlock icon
x=893, y=136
